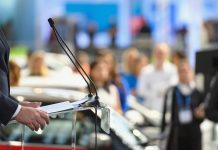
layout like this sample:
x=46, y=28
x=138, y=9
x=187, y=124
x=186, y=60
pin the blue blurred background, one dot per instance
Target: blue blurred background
x=27, y=20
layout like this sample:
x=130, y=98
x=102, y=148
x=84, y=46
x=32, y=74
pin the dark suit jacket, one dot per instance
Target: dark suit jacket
x=212, y=100
x=182, y=137
x=8, y=105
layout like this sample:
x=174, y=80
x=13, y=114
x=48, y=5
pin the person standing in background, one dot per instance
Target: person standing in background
x=182, y=102
x=156, y=78
x=10, y=109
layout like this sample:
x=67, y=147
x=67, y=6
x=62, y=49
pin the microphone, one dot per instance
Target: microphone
x=51, y=23
x=92, y=103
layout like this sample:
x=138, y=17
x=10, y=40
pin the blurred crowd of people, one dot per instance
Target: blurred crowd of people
x=160, y=79
x=88, y=38
x=163, y=82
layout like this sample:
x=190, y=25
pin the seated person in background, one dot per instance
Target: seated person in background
x=156, y=78
x=83, y=59
x=28, y=56
x=108, y=92
x=129, y=56
x=37, y=66
x=134, y=72
x=14, y=72
x=181, y=112
x=115, y=78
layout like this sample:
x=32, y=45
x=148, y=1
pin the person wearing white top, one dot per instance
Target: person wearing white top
x=156, y=78
x=108, y=93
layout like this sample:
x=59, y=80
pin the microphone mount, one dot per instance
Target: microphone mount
x=52, y=24
x=95, y=103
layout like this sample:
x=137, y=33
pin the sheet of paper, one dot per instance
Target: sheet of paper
x=57, y=107
x=62, y=106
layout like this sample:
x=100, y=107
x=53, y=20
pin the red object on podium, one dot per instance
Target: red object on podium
x=6, y=146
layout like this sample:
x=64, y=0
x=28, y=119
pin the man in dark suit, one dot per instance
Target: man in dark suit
x=10, y=109
x=211, y=110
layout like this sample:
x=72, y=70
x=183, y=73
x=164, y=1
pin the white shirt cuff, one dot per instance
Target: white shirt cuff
x=17, y=111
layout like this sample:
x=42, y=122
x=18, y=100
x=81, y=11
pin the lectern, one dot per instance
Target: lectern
x=62, y=108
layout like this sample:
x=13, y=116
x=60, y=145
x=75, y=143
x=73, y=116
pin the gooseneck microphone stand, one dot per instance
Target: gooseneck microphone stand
x=90, y=102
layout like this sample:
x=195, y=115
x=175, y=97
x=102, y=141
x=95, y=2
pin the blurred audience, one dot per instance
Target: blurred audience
x=182, y=103
x=108, y=92
x=140, y=26
x=128, y=58
x=177, y=56
x=28, y=56
x=91, y=30
x=156, y=78
x=37, y=66
x=134, y=71
x=83, y=59
x=181, y=36
x=115, y=78
x=146, y=28
x=211, y=31
x=113, y=34
x=62, y=28
x=14, y=71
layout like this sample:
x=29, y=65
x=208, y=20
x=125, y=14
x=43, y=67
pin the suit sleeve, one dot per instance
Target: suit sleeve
x=7, y=105
x=212, y=103
x=7, y=108
x=199, y=100
x=14, y=99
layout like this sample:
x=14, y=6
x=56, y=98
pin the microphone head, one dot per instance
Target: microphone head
x=51, y=22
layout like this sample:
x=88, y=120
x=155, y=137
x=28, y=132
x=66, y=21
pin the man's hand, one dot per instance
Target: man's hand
x=32, y=117
x=199, y=112
x=31, y=104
